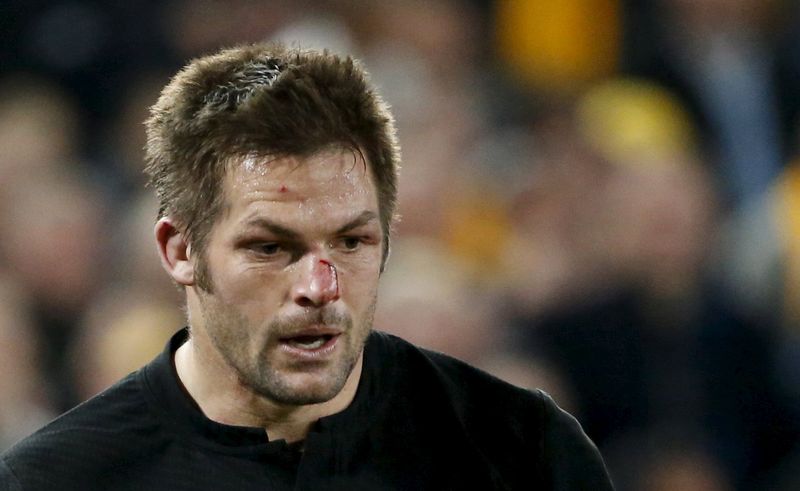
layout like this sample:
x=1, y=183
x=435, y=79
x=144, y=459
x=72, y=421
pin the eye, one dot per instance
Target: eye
x=267, y=248
x=351, y=243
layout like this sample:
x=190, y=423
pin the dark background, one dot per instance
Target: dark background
x=598, y=197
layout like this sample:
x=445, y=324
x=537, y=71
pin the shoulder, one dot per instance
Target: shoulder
x=522, y=432
x=460, y=381
x=93, y=436
x=480, y=402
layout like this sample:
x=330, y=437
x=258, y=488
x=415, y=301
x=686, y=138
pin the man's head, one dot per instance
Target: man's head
x=276, y=170
x=263, y=101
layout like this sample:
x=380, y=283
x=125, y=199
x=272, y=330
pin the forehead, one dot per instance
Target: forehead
x=329, y=179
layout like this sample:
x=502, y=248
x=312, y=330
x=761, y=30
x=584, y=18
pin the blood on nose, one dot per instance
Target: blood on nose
x=325, y=280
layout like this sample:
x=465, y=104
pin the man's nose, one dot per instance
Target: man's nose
x=318, y=283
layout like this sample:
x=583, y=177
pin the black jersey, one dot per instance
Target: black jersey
x=419, y=421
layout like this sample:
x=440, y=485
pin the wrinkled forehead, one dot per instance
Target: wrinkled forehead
x=317, y=174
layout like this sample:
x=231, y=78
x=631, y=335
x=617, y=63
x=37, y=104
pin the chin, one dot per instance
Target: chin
x=302, y=388
x=301, y=394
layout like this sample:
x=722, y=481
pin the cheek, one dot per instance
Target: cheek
x=358, y=284
x=249, y=287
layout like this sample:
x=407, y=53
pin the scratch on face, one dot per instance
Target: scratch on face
x=328, y=279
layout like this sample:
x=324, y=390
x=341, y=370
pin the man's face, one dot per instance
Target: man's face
x=294, y=261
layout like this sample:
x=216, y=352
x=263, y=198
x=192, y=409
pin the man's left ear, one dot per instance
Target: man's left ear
x=386, y=251
x=174, y=250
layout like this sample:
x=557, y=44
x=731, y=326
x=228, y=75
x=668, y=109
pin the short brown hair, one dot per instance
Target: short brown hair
x=266, y=100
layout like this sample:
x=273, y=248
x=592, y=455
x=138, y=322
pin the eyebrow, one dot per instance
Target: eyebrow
x=362, y=219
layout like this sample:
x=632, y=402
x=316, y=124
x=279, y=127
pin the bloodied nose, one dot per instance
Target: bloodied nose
x=321, y=287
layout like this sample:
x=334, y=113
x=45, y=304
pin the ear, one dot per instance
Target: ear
x=174, y=251
x=387, y=249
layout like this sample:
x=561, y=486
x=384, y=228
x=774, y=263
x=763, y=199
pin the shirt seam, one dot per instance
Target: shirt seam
x=17, y=482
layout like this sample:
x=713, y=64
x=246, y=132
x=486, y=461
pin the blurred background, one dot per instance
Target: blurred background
x=598, y=198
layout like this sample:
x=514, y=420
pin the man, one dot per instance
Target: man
x=276, y=170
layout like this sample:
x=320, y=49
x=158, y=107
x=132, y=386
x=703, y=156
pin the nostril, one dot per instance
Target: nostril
x=305, y=302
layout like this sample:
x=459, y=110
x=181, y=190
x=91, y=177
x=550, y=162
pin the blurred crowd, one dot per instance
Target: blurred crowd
x=598, y=198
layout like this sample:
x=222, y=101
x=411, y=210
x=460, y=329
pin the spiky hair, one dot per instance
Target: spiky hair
x=266, y=100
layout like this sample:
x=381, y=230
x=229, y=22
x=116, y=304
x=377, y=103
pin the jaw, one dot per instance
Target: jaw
x=250, y=368
x=239, y=375
x=310, y=383
x=230, y=400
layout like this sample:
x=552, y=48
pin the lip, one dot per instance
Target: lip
x=316, y=330
x=316, y=354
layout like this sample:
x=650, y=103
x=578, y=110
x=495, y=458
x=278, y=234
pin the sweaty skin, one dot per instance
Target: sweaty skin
x=325, y=280
x=322, y=276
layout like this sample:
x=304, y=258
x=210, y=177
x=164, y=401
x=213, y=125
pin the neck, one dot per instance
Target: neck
x=223, y=398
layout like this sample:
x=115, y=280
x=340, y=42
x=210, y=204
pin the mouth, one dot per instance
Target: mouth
x=310, y=343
